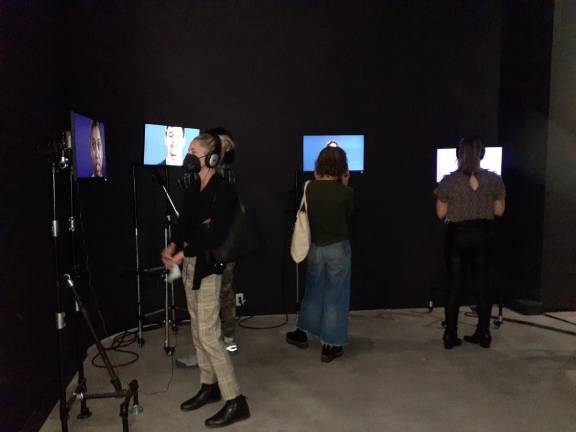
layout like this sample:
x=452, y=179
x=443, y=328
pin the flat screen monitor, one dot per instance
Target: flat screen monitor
x=353, y=145
x=167, y=145
x=88, y=139
x=447, y=162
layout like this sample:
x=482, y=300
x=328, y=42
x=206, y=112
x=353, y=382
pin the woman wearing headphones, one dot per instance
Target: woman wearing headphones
x=206, y=219
x=469, y=199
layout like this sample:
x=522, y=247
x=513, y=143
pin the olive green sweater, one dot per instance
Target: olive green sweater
x=330, y=205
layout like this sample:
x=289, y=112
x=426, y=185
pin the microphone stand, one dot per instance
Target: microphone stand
x=140, y=337
x=169, y=306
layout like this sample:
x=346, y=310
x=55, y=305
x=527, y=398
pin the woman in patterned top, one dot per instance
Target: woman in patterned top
x=469, y=199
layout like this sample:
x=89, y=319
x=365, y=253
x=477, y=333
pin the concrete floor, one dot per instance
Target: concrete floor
x=395, y=376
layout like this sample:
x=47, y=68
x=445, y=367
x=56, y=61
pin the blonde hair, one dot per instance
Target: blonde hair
x=207, y=141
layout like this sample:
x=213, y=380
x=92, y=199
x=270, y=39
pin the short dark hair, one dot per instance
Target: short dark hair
x=332, y=161
x=166, y=129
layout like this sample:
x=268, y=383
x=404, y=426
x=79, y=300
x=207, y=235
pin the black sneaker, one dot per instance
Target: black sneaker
x=330, y=352
x=298, y=338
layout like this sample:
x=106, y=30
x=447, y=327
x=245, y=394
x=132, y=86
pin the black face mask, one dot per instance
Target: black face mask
x=191, y=164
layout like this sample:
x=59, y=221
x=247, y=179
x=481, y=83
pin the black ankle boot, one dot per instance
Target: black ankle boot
x=451, y=340
x=208, y=393
x=298, y=338
x=234, y=410
x=330, y=352
x=482, y=338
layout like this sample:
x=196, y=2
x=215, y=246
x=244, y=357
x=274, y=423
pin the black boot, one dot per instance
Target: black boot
x=330, y=352
x=234, y=410
x=480, y=337
x=451, y=340
x=208, y=393
x=298, y=338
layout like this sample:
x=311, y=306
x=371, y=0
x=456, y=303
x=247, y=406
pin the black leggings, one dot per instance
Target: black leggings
x=468, y=247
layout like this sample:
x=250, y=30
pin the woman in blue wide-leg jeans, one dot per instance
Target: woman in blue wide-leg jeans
x=326, y=303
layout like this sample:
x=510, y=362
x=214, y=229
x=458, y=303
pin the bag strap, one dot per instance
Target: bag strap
x=303, y=201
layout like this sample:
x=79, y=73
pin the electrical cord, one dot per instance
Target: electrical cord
x=540, y=326
x=172, y=363
x=559, y=319
x=244, y=319
x=117, y=344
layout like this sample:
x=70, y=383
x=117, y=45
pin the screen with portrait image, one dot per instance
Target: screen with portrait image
x=167, y=145
x=447, y=162
x=88, y=136
x=353, y=145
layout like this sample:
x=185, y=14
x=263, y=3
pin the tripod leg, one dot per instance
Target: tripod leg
x=64, y=417
x=124, y=414
x=84, y=410
x=80, y=354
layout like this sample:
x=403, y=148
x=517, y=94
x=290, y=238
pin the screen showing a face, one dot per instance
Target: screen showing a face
x=167, y=145
x=89, y=147
x=447, y=162
x=353, y=145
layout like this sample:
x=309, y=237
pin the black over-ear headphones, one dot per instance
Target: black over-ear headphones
x=213, y=157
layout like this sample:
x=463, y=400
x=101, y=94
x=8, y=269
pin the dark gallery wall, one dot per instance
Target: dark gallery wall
x=536, y=128
x=559, y=246
x=30, y=103
x=523, y=129
x=410, y=76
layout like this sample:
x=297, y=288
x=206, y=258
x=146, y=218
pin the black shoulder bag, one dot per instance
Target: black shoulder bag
x=242, y=238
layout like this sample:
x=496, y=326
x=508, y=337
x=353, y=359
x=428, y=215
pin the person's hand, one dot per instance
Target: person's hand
x=167, y=256
x=345, y=178
x=178, y=259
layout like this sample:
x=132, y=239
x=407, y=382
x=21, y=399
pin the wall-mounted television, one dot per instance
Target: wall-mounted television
x=167, y=145
x=353, y=145
x=89, y=143
x=447, y=162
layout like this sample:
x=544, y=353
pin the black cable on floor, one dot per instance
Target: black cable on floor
x=172, y=362
x=117, y=344
x=242, y=320
x=540, y=326
x=559, y=319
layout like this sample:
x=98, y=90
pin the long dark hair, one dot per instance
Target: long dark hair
x=470, y=153
x=332, y=161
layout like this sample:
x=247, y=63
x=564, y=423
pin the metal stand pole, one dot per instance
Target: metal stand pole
x=60, y=314
x=80, y=351
x=168, y=348
x=140, y=336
